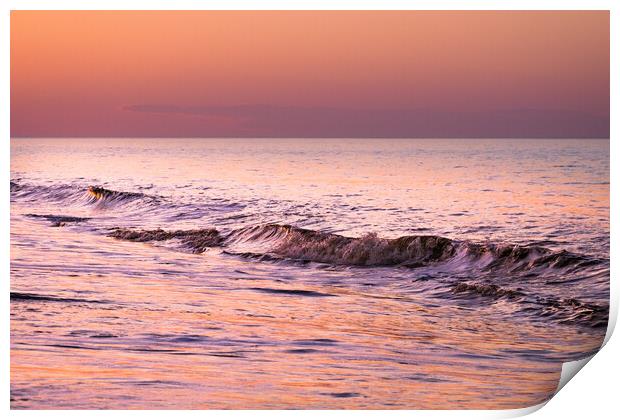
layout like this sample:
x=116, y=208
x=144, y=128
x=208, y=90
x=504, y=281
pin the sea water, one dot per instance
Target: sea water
x=304, y=273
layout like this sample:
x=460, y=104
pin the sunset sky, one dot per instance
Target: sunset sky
x=309, y=74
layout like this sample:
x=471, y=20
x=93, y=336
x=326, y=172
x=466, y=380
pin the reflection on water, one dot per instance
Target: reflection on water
x=260, y=273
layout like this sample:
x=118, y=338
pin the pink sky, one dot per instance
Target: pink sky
x=310, y=74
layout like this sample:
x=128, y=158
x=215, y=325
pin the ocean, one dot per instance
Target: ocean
x=304, y=273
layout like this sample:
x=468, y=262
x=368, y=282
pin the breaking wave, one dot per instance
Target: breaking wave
x=131, y=204
x=196, y=241
x=75, y=195
x=369, y=250
x=103, y=196
x=276, y=241
x=456, y=259
x=406, y=251
x=566, y=310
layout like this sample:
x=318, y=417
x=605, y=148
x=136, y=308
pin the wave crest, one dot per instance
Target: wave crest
x=69, y=195
x=104, y=196
x=567, y=310
x=485, y=290
x=369, y=250
x=197, y=241
x=414, y=251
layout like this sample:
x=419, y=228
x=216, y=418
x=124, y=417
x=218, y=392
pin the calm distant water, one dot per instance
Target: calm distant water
x=277, y=273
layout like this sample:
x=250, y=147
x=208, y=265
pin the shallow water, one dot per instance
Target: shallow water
x=289, y=273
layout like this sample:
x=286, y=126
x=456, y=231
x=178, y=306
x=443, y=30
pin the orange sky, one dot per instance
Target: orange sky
x=213, y=73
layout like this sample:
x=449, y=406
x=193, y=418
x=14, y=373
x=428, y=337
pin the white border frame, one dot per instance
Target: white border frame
x=599, y=386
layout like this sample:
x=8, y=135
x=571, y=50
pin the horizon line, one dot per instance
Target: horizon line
x=321, y=137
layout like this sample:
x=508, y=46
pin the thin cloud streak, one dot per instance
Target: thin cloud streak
x=261, y=120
